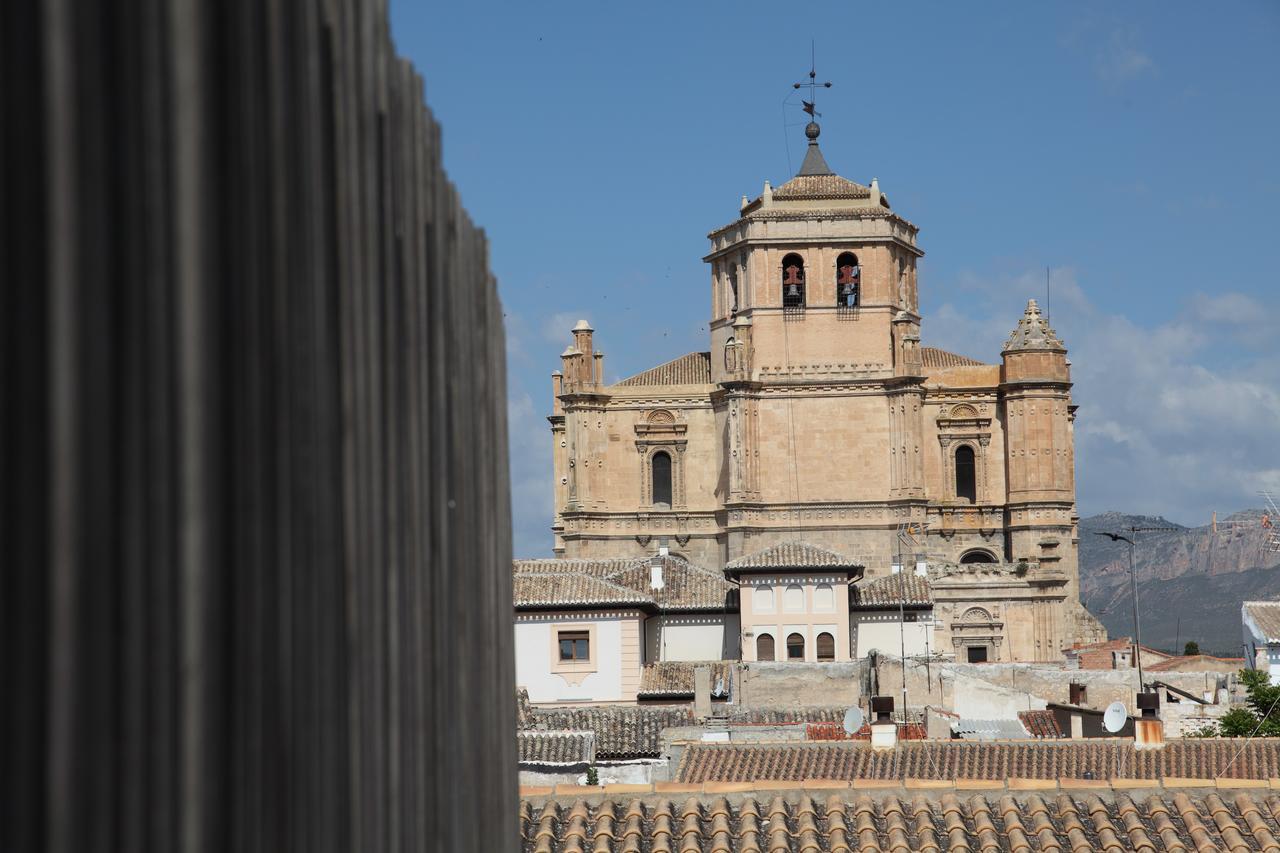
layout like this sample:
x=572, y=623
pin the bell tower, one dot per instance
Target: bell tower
x=1040, y=459
x=825, y=273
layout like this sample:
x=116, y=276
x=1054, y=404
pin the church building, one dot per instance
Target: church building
x=818, y=445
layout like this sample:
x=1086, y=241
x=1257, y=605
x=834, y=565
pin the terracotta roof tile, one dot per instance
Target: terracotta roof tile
x=622, y=731
x=789, y=555
x=785, y=716
x=934, y=357
x=1041, y=724
x=572, y=590
x=821, y=187
x=906, y=587
x=556, y=748
x=1188, y=663
x=674, y=679
x=603, y=583
x=948, y=822
x=1101, y=758
x=1266, y=615
x=691, y=369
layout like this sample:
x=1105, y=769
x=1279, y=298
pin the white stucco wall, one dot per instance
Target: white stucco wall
x=534, y=649
x=886, y=634
x=684, y=637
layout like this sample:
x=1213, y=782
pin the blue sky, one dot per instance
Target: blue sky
x=1132, y=148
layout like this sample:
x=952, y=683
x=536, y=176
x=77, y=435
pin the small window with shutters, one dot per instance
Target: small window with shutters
x=826, y=646
x=764, y=647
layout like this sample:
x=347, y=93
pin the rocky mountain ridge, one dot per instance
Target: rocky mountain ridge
x=1191, y=580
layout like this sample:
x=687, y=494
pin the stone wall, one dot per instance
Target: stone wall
x=254, y=494
x=796, y=685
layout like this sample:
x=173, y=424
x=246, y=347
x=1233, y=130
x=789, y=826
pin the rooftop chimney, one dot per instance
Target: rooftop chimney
x=884, y=731
x=655, y=573
x=1148, y=729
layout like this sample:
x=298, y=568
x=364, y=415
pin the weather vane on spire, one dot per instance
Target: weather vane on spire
x=810, y=106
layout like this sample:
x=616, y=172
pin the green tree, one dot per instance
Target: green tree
x=1261, y=717
x=1193, y=648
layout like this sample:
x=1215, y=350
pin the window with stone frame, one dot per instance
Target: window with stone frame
x=795, y=647
x=966, y=474
x=825, y=645
x=660, y=478
x=764, y=647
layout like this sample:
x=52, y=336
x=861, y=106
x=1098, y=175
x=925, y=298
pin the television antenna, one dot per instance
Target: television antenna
x=1268, y=521
x=1114, y=718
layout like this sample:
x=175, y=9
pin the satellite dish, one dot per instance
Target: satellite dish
x=852, y=720
x=1114, y=718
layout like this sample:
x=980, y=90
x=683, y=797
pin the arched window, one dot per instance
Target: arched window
x=764, y=647
x=826, y=646
x=793, y=599
x=848, y=281
x=661, y=465
x=795, y=647
x=977, y=556
x=966, y=474
x=733, y=292
x=793, y=281
x=763, y=601
x=824, y=597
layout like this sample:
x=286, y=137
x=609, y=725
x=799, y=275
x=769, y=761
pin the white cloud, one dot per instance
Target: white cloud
x=1167, y=424
x=556, y=328
x=532, y=499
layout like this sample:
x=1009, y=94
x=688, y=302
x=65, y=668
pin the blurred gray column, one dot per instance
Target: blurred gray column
x=254, y=538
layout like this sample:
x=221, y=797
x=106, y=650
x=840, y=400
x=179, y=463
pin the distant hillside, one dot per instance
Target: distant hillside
x=1190, y=574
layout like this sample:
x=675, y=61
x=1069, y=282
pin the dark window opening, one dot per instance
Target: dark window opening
x=848, y=281
x=764, y=647
x=826, y=646
x=966, y=474
x=977, y=654
x=1078, y=694
x=795, y=647
x=793, y=281
x=575, y=645
x=661, y=464
x=977, y=557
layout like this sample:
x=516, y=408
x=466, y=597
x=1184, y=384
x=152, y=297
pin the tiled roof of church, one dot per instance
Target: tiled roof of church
x=691, y=369
x=793, y=555
x=805, y=187
x=613, y=582
x=674, y=679
x=906, y=587
x=1033, y=332
x=809, y=819
x=934, y=357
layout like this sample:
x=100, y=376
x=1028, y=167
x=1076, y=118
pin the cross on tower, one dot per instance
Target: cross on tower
x=810, y=106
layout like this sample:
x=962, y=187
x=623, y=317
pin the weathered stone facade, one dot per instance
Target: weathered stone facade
x=818, y=416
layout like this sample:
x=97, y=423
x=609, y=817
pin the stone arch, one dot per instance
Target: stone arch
x=963, y=411
x=977, y=555
x=976, y=614
x=661, y=417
